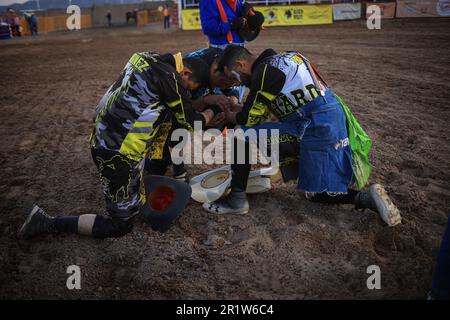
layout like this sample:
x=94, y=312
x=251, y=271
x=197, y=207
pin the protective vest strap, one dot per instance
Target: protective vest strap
x=223, y=17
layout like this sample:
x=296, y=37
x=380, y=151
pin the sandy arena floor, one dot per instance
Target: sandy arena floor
x=396, y=80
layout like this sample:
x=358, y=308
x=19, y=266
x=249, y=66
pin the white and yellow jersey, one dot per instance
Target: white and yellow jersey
x=281, y=84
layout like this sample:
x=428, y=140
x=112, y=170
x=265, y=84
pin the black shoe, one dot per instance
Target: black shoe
x=38, y=222
x=376, y=199
x=233, y=203
x=180, y=173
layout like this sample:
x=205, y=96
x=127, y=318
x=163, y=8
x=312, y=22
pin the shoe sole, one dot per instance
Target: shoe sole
x=244, y=211
x=27, y=221
x=240, y=212
x=182, y=177
x=387, y=209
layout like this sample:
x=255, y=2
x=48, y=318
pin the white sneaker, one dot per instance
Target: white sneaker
x=384, y=205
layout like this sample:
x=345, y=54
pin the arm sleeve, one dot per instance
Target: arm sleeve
x=267, y=83
x=177, y=99
x=212, y=25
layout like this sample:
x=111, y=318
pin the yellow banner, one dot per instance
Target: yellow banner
x=274, y=16
x=191, y=19
x=296, y=15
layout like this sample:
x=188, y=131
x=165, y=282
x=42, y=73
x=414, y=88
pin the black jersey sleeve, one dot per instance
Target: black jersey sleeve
x=177, y=98
x=267, y=83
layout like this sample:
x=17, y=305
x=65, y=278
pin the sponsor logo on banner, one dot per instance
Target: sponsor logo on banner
x=422, y=8
x=443, y=8
x=387, y=9
x=191, y=19
x=346, y=11
x=296, y=15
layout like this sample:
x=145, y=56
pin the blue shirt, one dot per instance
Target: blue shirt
x=212, y=25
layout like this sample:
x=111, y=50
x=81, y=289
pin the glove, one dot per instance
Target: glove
x=238, y=23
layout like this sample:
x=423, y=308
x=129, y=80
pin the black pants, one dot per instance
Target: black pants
x=33, y=29
x=159, y=166
x=121, y=184
x=167, y=22
x=104, y=226
x=288, y=158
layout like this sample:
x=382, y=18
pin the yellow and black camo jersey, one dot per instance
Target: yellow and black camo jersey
x=147, y=94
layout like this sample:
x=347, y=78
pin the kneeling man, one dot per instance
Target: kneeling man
x=314, y=119
x=132, y=121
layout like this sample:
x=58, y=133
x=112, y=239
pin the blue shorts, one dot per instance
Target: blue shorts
x=324, y=157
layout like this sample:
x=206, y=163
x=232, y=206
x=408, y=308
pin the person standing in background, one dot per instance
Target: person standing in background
x=14, y=22
x=166, y=14
x=109, y=17
x=10, y=21
x=17, y=26
x=230, y=21
x=221, y=20
x=27, y=17
x=136, y=16
x=34, y=24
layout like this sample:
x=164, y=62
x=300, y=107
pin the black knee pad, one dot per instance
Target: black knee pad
x=107, y=227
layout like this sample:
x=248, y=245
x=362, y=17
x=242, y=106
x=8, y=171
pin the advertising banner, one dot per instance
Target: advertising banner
x=387, y=9
x=55, y=23
x=191, y=19
x=274, y=16
x=296, y=15
x=346, y=11
x=423, y=8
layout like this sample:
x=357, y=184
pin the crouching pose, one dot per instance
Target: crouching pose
x=130, y=122
x=216, y=92
x=311, y=118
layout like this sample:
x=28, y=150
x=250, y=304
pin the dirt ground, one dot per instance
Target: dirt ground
x=397, y=82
